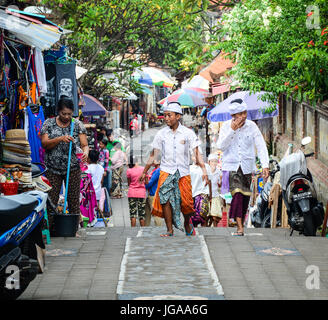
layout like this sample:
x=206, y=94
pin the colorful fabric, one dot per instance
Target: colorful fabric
x=202, y=206
x=153, y=182
x=73, y=192
x=137, y=208
x=116, y=190
x=35, y=123
x=88, y=202
x=104, y=159
x=177, y=190
x=239, y=206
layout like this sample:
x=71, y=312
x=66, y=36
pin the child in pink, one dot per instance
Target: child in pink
x=136, y=194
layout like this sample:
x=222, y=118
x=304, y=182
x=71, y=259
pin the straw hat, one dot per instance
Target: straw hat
x=26, y=177
x=16, y=136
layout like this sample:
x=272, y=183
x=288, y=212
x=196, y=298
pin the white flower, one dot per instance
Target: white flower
x=266, y=22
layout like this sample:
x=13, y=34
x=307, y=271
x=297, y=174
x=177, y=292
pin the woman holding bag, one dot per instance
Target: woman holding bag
x=55, y=139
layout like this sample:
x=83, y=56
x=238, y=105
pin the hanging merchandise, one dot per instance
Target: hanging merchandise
x=66, y=84
x=48, y=100
x=35, y=122
x=40, y=70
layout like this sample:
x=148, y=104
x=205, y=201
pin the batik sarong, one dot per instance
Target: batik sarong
x=177, y=190
x=202, y=206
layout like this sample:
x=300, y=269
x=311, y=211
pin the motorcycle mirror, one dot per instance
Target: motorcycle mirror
x=306, y=141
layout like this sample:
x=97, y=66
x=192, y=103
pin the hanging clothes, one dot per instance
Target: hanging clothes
x=88, y=202
x=40, y=70
x=24, y=97
x=35, y=122
x=66, y=84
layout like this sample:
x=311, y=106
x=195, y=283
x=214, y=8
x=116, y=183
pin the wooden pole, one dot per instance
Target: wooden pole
x=284, y=216
x=274, y=199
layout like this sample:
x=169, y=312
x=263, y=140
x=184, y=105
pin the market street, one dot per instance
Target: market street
x=121, y=262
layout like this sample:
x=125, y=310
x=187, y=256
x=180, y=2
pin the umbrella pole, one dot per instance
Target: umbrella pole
x=68, y=166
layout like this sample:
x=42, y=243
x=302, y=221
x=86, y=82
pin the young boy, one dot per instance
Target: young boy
x=215, y=214
x=96, y=171
x=201, y=194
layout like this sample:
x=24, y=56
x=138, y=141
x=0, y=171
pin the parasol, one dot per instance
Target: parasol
x=256, y=108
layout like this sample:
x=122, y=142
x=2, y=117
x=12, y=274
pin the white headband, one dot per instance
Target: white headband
x=213, y=156
x=174, y=107
x=237, y=107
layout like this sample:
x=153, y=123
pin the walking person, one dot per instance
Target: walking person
x=174, y=192
x=238, y=139
x=118, y=161
x=136, y=194
x=151, y=187
x=104, y=162
x=215, y=214
x=55, y=139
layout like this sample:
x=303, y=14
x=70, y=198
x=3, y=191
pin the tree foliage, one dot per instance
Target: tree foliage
x=112, y=36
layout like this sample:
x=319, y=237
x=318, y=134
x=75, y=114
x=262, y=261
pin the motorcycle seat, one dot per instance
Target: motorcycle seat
x=14, y=209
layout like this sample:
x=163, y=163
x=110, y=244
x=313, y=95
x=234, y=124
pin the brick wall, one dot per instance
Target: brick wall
x=296, y=121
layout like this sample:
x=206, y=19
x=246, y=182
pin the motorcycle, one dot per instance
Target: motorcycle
x=305, y=212
x=21, y=218
x=261, y=213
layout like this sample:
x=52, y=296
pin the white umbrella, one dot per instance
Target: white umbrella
x=196, y=82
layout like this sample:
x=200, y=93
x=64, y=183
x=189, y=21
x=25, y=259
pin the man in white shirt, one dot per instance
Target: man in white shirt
x=174, y=192
x=238, y=138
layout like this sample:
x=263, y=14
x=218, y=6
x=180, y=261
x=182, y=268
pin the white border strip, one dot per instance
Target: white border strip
x=121, y=278
x=210, y=267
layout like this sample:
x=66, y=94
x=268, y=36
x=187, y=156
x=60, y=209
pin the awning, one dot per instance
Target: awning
x=218, y=67
x=35, y=34
x=92, y=106
x=220, y=88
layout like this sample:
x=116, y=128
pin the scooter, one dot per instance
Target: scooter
x=21, y=218
x=305, y=212
x=261, y=213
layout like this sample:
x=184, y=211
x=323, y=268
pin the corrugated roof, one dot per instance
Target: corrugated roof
x=38, y=35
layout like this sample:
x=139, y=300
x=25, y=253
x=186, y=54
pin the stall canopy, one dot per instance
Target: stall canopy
x=92, y=106
x=33, y=30
x=256, y=108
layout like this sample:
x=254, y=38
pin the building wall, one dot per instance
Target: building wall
x=296, y=121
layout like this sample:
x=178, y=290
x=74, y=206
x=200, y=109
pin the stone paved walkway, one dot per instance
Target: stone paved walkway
x=170, y=267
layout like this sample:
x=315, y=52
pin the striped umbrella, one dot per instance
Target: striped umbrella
x=186, y=100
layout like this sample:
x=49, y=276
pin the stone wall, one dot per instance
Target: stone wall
x=296, y=121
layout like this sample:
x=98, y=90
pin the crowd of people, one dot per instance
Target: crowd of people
x=180, y=182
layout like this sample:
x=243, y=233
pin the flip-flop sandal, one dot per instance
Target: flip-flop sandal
x=237, y=234
x=168, y=234
x=192, y=232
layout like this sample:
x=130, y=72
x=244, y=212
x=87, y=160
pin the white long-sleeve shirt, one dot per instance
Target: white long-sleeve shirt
x=238, y=147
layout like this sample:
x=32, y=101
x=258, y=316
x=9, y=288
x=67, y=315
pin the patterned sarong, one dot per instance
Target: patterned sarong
x=239, y=182
x=177, y=190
